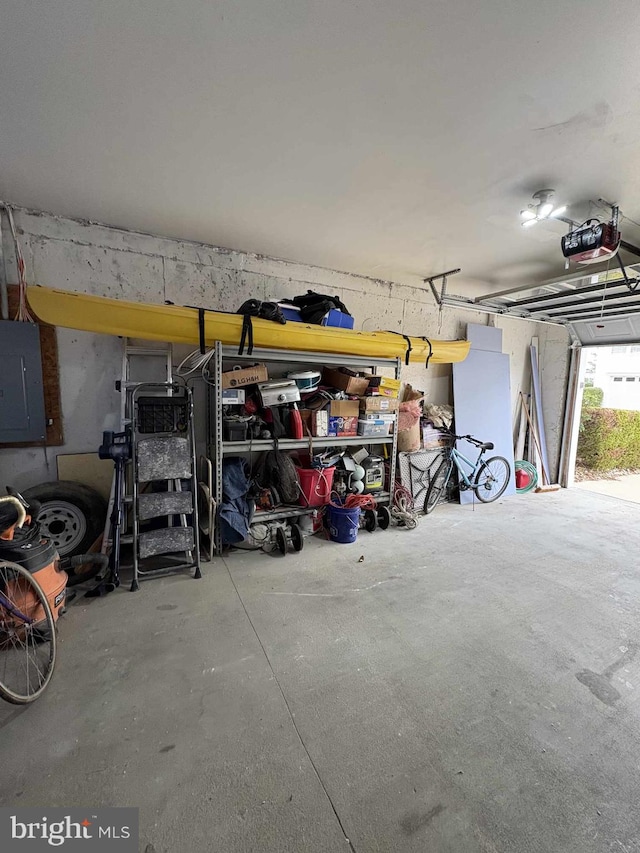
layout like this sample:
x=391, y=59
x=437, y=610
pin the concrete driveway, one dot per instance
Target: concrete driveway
x=627, y=488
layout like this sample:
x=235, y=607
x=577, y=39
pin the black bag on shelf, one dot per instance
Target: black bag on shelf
x=315, y=306
x=264, y=310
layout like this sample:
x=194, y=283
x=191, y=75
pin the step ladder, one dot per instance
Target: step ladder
x=164, y=478
x=160, y=490
x=139, y=364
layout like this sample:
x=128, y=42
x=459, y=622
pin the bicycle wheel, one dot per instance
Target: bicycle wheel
x=437, y=485
x=492, y=479
x=27, y=636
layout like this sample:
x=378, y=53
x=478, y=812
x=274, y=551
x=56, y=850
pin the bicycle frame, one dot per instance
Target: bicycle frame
x=8, y=606
x=458, y=458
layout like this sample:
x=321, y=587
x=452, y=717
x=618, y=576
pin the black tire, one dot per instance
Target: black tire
x=437, y=486
x=281, y=540
x=370, y=520
x=384, y=517
x=72, y=515
x=499, y=470
x=297, y=539
x=34, y=643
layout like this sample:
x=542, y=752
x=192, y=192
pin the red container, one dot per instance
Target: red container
x=316, y=485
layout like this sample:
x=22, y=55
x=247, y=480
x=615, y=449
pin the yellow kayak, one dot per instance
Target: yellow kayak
x=179, y=325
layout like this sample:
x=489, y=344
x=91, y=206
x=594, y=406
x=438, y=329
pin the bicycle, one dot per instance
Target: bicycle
x=27, y=636
x=488, y=478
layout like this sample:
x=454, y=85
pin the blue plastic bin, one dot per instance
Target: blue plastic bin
x=338, y=319
x=291, y=313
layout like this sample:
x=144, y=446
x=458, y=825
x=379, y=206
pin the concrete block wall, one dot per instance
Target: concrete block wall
x=105, y=261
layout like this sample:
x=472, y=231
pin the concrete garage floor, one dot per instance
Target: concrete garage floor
x=471, y=686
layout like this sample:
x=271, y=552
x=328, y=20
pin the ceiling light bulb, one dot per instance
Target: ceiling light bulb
x=545, y=209
x=527, y=213
x=529, y=222
x=558, y=211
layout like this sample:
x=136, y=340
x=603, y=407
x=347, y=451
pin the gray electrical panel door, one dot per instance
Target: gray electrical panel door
x=21, y=391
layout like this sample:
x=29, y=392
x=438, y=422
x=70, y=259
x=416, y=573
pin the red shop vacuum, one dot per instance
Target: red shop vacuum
x=23, y=543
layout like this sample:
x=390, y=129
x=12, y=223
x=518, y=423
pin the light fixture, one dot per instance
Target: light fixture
x=543, y=208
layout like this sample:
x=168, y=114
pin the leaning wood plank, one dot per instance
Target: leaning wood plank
x=535, y=376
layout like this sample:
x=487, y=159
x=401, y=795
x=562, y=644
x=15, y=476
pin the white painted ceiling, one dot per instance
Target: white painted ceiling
x=394, y=139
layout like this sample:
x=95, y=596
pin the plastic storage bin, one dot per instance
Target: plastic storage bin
x=316, y=485
x=291, y=313
x=338, y=319
x=373, y=428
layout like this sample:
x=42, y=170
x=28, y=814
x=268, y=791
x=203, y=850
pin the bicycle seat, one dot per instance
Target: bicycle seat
x=487, y=445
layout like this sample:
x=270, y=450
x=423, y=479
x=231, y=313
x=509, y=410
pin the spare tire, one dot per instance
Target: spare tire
x=72, y=515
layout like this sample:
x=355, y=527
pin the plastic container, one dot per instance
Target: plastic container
x=234, y=430
x=371, y=428
x=373, y=474
x=316, y=485
x=338, y=319
x=343, y=523
x=306, y=380
x=291, y=313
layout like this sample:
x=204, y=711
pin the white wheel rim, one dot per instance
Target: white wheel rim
x=64, y=524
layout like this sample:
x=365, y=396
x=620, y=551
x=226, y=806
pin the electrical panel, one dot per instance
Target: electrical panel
x=22, y=416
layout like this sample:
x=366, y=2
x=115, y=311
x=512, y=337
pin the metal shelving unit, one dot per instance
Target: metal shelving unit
x=219, y=448
x=260, y=445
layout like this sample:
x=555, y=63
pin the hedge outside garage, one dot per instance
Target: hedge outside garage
x=609, y=438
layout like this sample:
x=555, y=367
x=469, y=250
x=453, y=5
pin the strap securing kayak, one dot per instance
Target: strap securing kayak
x=427, y=341
x=201, y=329
x=408, y=340
x=247, y=335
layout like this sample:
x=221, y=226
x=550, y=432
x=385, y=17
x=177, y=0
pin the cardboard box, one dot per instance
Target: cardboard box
x=245, y=376
x=343, y=417
x=384, y=383
x=339, y=419
x=356, y=385
x=379, y=404
x=320, y=423
x=344, y=408
x=343, y=427
x=391, y=393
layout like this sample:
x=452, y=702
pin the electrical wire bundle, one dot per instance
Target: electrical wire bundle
x=196, y=362
x=23, y=314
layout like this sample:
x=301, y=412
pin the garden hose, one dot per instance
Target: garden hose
x=529, y=476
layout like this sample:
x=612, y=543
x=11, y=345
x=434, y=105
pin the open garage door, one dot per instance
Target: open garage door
x=601, y=309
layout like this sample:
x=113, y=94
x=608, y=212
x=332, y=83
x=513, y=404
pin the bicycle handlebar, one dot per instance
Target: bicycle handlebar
x=468, y=438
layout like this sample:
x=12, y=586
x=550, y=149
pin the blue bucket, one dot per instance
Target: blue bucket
x=343, y=523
